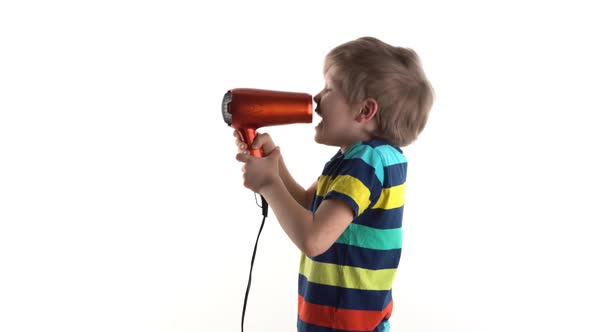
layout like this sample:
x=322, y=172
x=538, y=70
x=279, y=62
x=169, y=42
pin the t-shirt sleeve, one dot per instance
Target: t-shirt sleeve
x=358, y=181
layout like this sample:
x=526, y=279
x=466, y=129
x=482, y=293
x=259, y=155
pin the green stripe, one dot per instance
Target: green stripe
x=346, y=276
x=371, y=238
x=386, y=326
x=390, y=155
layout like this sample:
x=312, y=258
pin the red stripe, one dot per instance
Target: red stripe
x=341, y=319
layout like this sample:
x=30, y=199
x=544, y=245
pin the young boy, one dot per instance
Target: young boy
x=348, y=223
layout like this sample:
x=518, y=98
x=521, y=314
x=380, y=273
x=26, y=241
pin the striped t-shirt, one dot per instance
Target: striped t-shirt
x=348, y=287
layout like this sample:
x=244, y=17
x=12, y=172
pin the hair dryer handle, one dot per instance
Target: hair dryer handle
x=248, y=135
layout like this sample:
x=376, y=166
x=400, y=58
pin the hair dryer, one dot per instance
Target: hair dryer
x=246, y=110
x=249, y=109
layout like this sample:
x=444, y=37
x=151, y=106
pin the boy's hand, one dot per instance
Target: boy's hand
x=261, y=141
x=260, y=172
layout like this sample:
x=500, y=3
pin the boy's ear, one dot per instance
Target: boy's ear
x=369, y=109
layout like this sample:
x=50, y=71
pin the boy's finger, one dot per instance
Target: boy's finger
x=243, y=157
x=261, y=140
x=240, y=143
x=258, y=140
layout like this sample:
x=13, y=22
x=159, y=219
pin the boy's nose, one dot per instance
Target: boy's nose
x=317, y=98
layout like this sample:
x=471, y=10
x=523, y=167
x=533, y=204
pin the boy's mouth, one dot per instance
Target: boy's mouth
x=319, y=113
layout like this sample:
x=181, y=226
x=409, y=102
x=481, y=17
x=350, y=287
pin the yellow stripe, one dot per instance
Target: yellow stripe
x=391, y=198
x=323, y=183
x=346, y=276
x=347, y=185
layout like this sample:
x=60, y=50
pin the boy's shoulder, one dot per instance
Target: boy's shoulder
x=381, y=158
x=376, y=151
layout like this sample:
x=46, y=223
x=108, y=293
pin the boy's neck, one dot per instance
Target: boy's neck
x=360, y=138
x=362, y=133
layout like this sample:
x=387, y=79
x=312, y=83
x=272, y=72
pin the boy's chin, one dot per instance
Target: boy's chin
x=318, y=139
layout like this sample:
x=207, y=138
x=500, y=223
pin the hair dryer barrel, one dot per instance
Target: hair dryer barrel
x=249, y=109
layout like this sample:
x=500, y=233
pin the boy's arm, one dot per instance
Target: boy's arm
x=301, y=195
x=312, y=233
x=309, y=194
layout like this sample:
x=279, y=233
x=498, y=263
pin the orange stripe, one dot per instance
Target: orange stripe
x=341, y=319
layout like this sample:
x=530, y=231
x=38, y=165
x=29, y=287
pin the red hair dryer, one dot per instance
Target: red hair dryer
x=249, y=109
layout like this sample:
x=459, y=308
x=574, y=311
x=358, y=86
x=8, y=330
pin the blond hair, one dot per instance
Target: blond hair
x=393, y=76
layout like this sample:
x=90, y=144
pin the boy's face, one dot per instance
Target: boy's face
x=338, y=123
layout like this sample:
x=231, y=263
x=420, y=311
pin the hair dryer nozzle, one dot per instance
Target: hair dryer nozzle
x=225, y=108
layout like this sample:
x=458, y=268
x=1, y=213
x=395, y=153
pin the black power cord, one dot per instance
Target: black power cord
x=264, y=215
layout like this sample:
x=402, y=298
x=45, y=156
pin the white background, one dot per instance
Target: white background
x=122, y=206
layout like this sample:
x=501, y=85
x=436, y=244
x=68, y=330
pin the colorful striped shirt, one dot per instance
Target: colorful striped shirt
x=348, y=287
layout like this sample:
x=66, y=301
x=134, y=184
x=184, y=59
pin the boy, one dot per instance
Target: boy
x=348, y=223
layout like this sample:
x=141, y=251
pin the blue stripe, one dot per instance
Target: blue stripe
x=315, y=202
x=376, y=218
x=380, y=218
x=302, y=326
x=395, y=175
x=344, y=298
x=369, y=156
x=347, y=255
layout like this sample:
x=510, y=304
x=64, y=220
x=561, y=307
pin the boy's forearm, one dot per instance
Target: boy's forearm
x=295, y=220
x=294, y=188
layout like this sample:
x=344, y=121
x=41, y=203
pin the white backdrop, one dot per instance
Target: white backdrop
x=121, y=203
